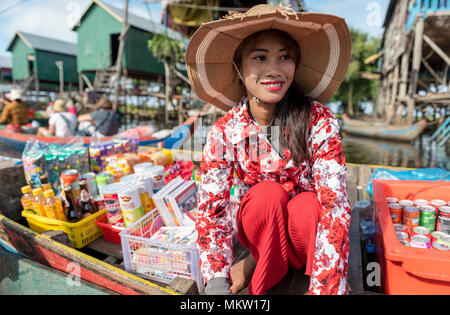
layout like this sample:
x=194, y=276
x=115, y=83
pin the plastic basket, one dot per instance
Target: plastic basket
x=408, y=270
x=110, y=232
x=157, y=260
x=80, y=233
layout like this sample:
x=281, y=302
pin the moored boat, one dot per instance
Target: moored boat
x=382, y=130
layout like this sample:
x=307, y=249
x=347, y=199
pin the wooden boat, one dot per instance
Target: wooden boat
x=15, y=142
x=109, y=275
x=382, y=130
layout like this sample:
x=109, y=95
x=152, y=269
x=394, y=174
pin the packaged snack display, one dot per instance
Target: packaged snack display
x=130, y=203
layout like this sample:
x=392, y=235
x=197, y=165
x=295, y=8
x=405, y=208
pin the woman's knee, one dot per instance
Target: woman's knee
x=263, y=199
x=304, y=207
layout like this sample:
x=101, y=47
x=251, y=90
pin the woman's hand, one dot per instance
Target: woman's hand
x=241, y=273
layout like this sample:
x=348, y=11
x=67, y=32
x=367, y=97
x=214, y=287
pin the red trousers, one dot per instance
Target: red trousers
x=278, y=232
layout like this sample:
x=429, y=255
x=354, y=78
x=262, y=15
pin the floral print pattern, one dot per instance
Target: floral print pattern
x=238, y=145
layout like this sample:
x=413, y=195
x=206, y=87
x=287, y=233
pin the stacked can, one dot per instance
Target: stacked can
x=112, y=205
x=71, y=178
x=396, y=212
x=428, y=217
x=411, y=217
x=130, y=203
x=403, y=238
x=443, y=221
x=420, y=241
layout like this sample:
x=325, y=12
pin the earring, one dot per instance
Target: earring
x=256, y=99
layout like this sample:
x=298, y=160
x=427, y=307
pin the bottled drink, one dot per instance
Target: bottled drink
x=73, y=211
x=53, y=206
x=87, y=206
x=38, y=202
x=27, y=199
x=46, y=187
x=44, y=180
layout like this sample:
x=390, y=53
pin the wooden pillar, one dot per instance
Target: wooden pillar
x=393, y=100
x=417, y=58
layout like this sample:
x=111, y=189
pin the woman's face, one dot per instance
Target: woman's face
x=267, y=67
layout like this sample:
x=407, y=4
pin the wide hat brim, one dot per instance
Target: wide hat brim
x=325, y=48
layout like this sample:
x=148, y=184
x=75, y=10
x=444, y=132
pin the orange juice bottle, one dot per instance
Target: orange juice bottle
x=53, y=206
x=27, y=199
x=38, y=202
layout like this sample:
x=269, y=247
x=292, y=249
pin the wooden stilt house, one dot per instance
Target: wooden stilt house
x=34, y=59
x=98, y=33
x=415, y=59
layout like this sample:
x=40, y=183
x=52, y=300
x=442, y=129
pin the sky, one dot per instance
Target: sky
x=55, y=18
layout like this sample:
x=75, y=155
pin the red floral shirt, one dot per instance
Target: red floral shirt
x=237, y=144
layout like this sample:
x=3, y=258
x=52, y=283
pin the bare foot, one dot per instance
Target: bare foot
x=241, y=273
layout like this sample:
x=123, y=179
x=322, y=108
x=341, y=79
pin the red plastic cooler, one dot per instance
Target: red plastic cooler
x=408, y=270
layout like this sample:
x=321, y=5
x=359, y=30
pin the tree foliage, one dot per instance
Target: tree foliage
x=355, y=89
x=166, y=49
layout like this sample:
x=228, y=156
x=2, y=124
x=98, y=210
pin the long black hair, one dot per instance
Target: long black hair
x=293, y=112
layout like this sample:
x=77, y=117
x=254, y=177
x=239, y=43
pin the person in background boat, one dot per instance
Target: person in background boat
x=270, y=68
x=15, y=112
x=61, y=123
x=102, y=122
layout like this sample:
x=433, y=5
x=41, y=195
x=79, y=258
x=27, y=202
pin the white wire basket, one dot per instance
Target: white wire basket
x=158, y=260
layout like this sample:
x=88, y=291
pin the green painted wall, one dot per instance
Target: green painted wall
x=48, y=71
x=20, y=52
x=137, y=55
x=94, y=39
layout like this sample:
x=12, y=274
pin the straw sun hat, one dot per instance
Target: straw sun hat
x=15, y=94
x=324, y=41
x=59, y=106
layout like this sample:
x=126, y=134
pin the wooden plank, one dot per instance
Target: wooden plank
x=437, y=49
x=364, y=174
x=107, y=248
x=354, y=276
x=352, y=178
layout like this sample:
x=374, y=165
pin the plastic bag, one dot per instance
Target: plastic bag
x=432, y=174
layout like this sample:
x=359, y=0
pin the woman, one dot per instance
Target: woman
x=103, y=122
x=61, y=123
x=270, y=68
x=15, y=112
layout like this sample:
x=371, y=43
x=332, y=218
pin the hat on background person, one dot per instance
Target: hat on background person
x=59, y=106
x=324, y=47
x=15, y=94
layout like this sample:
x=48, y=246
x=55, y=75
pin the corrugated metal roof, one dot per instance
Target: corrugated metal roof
x=133, y=20
x=46, y=44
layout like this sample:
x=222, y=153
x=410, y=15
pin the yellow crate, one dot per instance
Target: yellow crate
x=80, y=233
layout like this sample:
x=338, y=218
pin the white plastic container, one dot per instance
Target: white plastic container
x=174, y=260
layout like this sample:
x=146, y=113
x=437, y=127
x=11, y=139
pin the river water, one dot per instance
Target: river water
x=420, y=153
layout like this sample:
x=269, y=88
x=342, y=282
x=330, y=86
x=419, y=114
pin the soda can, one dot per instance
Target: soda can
x=71, y=178
x=437, y=203
x=396, y=212
x=402, y=236
x=444, y=239
x=404, y=242
x=400, y=228
x=411, y=217
x=130, y=203
x=391, y=200
x=428, y=217
x=443, y=220
x=421, y=202
x=436, y=235
x=420, y=241
x=421, y=230
x=91, y=183
x=112, y=205
x=406, y=203
x=99, y=202
x=440, y=246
